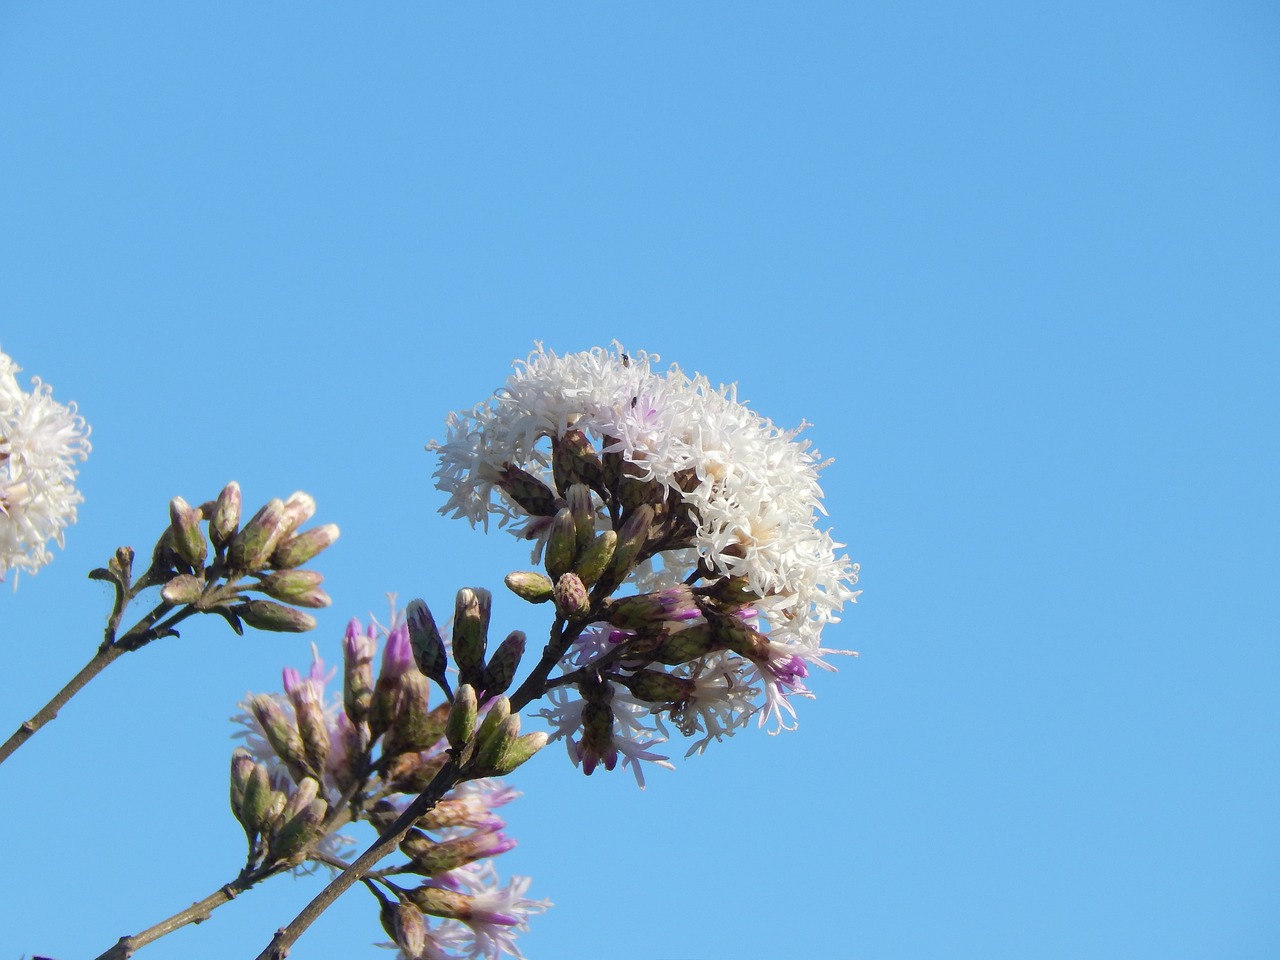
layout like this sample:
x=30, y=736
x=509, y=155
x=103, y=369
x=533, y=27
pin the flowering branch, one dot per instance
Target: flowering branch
x=268, y=548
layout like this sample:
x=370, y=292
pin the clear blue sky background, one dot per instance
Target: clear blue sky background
x=1016, y=262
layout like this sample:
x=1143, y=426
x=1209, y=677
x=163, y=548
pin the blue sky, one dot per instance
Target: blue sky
x=1016, y=263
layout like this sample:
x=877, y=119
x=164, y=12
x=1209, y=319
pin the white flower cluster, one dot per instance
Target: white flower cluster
x=40, y=440
x=757, y=496
x=753, y=495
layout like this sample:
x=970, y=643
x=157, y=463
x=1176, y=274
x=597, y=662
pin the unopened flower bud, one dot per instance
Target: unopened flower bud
x=412, y=729
x=517, y=751
x=293, y=836
x=404, y=924
x=632, y=539
x=502, y=666
x=280, y=733
x=358, y=649
x=650, y=609
x=574, y=460
x=252, y=547
x=490, y=751
x=529, y=493
x=462, y=717
x=397, y=660
x=441, y=902
x=595, y=559
x=633, y=491
x=596, y=745
x=298, y=509
x=562, y=543
x=184, y=588
x=412, y=772
x=436, y=857
x=654, y=686
x=740, y=638
x=276, y=617
x=253, y=812
x=298, y=587
x=188, y=539
x=582, y=506
x=226, y=515
x=297, y=549
x=498, y=712
x=527, y=585
x=425, y=639
x=312, y=728
x=685, y=645
x=241, y=771
x=572, y=600
x=731, y=592
x=470, y=633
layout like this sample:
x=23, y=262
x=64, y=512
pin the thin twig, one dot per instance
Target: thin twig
x=198, y=912
x=105, y=655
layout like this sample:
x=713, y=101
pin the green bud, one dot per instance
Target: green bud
x=574, y=460
x=561, y=544
x=406, y=927
x=301, y=547
x=441, y=902
x=276, y=617
x=527, y=585
x=572, y=600
x=518, y=751
x=252, y=547
x=292, y=838
x=241, y=771
x=314, y=733
x=740, y=638
x=582, y=506
x=188, y=539
x=412, y=729
x=654, y=686
x=596, y=558
x=490, y=752
x=650, y=609
x=183, y=588
x=529, y=493
x=470, y=633
x=461, y=725
x=497, y=713
x=280, y=733
x=226, y=515
x=502, y=666
x=428, y=647
x=298, y=587
x=632, y=539
x=685, y=645
x=256, y=802
x=298, y=509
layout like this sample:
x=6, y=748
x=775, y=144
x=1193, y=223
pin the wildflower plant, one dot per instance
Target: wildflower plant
x=677, y=549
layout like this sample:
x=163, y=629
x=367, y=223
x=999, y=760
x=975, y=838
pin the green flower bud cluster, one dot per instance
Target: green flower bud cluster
x=278, y=825
x=210, y=570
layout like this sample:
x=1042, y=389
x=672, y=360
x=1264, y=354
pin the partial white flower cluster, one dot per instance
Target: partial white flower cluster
x=756, y=501
x=40, y=441
x=751, y=492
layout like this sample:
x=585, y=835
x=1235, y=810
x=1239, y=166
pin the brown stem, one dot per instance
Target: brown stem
x=196, y=913
x=105, y=655
x=138, y=636
x=444, y=780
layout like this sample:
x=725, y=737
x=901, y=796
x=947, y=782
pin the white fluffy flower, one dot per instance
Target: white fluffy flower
x=756, y=501
x=750, y=489
x=40, y=440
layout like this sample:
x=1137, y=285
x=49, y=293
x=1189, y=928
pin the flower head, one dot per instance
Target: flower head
x=40, y=440
x=725, y=574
